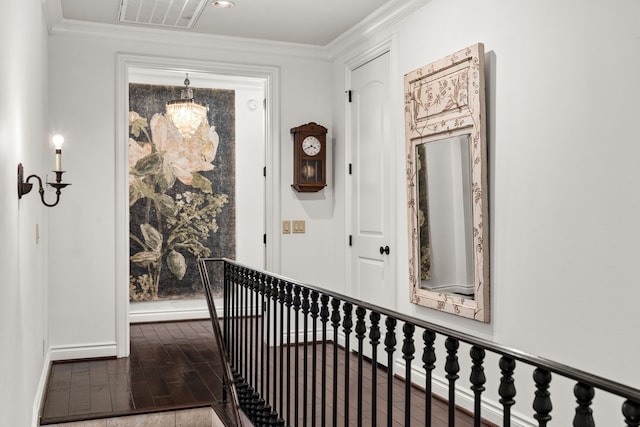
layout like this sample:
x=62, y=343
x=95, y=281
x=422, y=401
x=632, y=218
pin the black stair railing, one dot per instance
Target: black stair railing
x=286, y=374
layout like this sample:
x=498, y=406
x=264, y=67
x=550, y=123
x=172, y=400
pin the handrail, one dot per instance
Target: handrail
x=585, y=380
x=228, y=386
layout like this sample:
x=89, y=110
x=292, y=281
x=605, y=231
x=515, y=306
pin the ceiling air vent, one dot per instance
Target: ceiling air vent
x=164, y=13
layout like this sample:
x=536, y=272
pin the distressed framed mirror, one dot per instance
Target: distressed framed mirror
x=447, y=185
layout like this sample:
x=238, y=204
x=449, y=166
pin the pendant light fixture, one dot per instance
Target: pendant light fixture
x=185, y=114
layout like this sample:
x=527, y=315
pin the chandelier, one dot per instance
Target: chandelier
x=185, y=114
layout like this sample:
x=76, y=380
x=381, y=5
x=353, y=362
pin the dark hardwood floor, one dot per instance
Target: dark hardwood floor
x=177, y=366
x=172, y=366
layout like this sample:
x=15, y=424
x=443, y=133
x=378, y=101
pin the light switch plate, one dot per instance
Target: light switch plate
x=298, y=226
x=286, y=227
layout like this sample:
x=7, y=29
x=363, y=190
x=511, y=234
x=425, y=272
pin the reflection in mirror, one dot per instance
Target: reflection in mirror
x=445, y=220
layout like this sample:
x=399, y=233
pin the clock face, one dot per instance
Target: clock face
x=311, y=146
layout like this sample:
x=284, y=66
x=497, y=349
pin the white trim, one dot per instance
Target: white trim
x=121, y=207
x=58, y=25
x=52, y=13
x=173, y=310
x=124, y=61
x=366, y=29
x=169, y=315
x=84, y=351
x=272, y=163
x=390, y=13
x=40, y=391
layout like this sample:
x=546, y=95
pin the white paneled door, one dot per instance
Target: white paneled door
x=372, y=202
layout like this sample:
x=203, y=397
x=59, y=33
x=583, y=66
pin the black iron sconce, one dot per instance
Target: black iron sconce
x=24, y=187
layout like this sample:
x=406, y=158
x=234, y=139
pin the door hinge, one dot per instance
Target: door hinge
x=350, y=168
x=350, y=240
x=264, y=171
x=349, y=95
x=264, y=238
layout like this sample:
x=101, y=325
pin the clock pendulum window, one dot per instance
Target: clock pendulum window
x=309, y=156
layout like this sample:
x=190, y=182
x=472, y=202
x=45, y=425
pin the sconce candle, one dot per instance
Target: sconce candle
x=58, y=140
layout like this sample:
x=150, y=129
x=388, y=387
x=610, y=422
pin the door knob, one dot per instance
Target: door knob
x=384, y=250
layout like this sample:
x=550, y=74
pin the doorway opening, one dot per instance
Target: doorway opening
x=251, y=96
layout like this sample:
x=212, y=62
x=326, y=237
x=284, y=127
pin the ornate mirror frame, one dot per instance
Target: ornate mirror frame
x=443, y=99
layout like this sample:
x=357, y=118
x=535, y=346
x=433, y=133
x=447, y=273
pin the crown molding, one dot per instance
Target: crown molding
x=58, y=25
x=389, y=14
x=52, y=12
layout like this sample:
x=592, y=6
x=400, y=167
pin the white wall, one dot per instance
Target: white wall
x=562, y=94
x=23, y=257
x=82, y=82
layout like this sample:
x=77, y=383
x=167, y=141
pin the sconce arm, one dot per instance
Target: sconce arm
x=24, y=187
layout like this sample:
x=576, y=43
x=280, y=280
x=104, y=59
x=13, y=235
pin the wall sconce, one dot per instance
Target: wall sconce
x=24, y=187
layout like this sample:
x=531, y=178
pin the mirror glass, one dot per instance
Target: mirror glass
x=445, y=222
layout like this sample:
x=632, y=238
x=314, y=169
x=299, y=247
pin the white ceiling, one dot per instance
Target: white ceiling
x=298, y=21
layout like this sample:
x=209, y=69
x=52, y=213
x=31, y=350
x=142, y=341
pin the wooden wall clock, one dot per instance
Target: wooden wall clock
x=309, y=157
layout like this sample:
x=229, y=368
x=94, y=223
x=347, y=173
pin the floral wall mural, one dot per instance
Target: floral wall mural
x=181, y=192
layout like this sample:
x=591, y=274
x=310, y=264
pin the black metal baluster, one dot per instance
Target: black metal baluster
x=584, y=396
x=238, y=336
x=374, y=339
x=315, y=311
x=225, y=323
x=231, y=320
x=452, y=368
x=236, y=321
x=235, y=344
x=429, y=364
x=335, y=323
x=282, y=296
x=477, y=379
x=242, y=336
x=324, y=318
x=259, y=362
x=361, y=329
x=247, y=362
x=264, y=365
x=273, y=417
x=296, y=358
x=408, y=350
x=347, y=324
x=305, y=365
x=631, y=412
x=507, y=389
x=226, y=306
x=390, y=346
x=542, y=402
x=288, y=301
x=249, y=313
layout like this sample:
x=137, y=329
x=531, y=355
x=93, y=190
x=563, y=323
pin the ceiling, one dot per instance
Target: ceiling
x=297, y=21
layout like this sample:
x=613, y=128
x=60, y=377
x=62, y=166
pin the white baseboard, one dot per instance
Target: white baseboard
x=169, y=315
x=85, y=351
x=42, y=383
x=491, y=410
x=169, y=310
